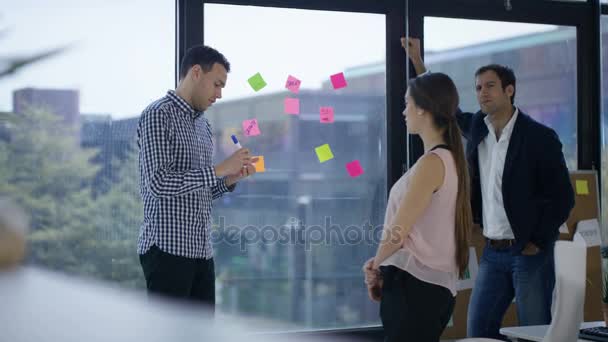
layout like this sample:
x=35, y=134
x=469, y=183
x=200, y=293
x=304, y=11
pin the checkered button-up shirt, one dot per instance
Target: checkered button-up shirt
x=178, y=181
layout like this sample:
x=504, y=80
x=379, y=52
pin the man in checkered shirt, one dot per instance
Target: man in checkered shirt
x=179, y=180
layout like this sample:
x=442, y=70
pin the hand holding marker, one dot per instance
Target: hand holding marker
x=236, y=142
x=239, y=146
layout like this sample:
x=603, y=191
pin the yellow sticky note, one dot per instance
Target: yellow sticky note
x=582, y=187
x=324, y=153
x=259, y=165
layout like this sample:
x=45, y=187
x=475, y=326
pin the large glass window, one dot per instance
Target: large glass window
x=290, y=242
x=543, y=58
x=67, y=153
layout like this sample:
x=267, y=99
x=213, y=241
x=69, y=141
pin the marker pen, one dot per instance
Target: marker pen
x=236, y=141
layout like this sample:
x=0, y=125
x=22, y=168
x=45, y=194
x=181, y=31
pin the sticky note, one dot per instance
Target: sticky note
x=256, y=82
x=338, y=80
x=293, y=84
x=582, y=187
x=324, y=153
x=251, y=128
x=354, y=169
x=590, y=231
x=292, y=106
x=259, y=165
x=326, y=114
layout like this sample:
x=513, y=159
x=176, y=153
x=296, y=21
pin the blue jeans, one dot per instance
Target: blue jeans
x=504, y=275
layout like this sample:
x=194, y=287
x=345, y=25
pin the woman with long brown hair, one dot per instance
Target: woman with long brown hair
x=425, y=242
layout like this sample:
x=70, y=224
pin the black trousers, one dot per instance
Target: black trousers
x=179, y=277
x=411, y=309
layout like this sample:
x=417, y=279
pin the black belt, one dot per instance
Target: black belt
x=501, y=244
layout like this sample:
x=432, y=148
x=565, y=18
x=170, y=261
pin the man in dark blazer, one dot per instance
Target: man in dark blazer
x=521, y=194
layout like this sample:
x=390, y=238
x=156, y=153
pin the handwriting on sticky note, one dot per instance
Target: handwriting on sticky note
x=338, y=80
x=326, y=114
x=256, y=82
x=354, y=169
x=259, y=165
x=251, y=128
x=292, y=106
x=590, y=231
x=324, y=153
x=582, y=187
x=293, y=84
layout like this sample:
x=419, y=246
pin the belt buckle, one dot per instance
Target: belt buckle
x=500, y=244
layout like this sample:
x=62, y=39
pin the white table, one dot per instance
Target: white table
x=39, y=305
x=537, y=332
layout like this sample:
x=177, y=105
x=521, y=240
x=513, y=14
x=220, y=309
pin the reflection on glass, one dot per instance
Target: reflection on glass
x=290, y=242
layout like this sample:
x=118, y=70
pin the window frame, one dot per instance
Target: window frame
x=584, y=16
x=190, y=22
x=403, y=150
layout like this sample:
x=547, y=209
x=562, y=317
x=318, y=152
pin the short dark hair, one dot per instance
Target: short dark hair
x=505, y=74
x=204, y=56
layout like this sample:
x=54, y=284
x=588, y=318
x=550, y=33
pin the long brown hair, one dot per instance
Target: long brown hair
x=437, y=94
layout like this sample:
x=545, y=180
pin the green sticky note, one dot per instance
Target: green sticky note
x=256, y=82
x=582, y=187
x=324, y=153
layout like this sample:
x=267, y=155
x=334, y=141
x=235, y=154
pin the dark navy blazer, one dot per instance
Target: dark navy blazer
x=536, y=188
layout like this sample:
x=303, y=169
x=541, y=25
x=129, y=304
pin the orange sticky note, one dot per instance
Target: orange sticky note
x=259, y=165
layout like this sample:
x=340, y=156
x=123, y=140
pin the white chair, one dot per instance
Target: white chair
x=570, y=275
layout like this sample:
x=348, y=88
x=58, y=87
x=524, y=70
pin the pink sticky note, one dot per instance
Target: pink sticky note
x=327, y=114
x=338, y=81
x=354, y=168
x=250, y=128
x=293, y=84
x=292, y=106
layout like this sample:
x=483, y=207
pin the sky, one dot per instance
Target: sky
x=121, y=54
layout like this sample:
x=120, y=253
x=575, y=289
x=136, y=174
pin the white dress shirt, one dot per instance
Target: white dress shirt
x=492, y=153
